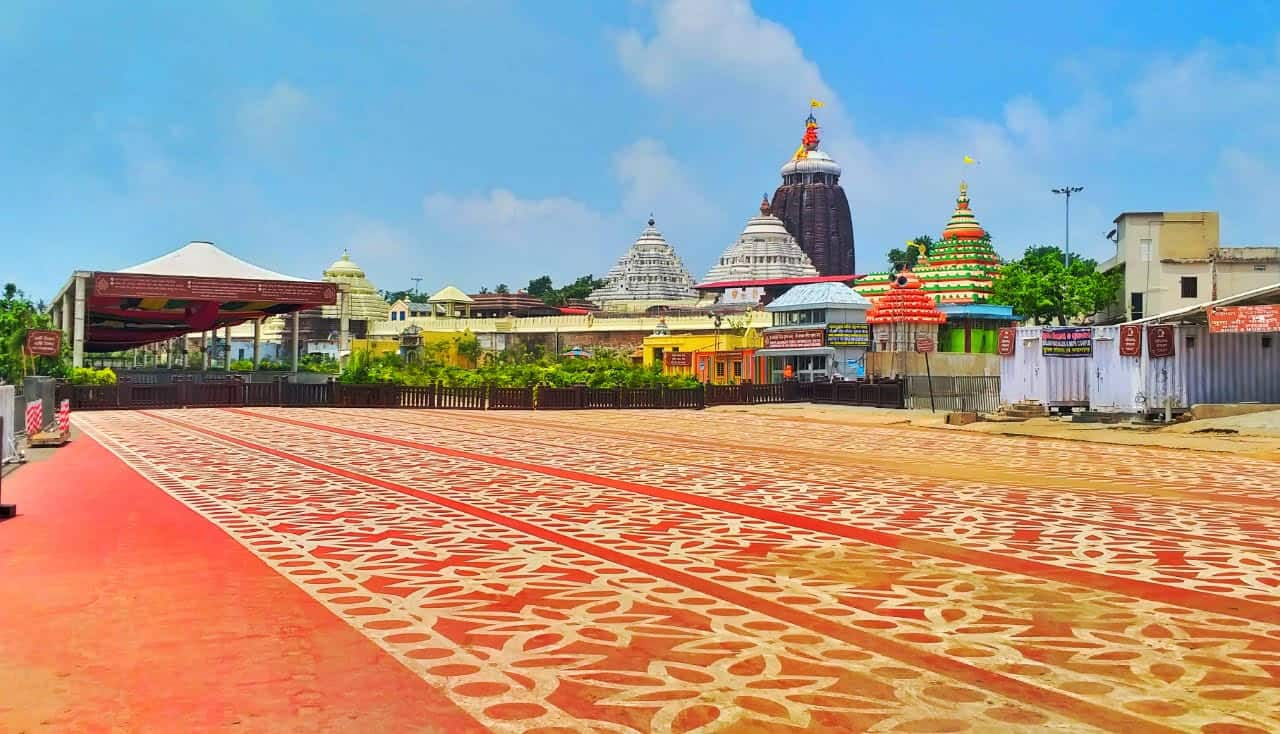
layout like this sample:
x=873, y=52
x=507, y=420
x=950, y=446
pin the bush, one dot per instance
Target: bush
x=242, y=365
x=90, y=376
x=606, y=370
x=318, y=363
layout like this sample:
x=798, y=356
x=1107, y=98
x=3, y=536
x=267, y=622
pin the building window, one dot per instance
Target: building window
x=719, y=369
x=1190, y=286
x=1260, y=268
x=1266, y=342
x=657, y=355
x=1135, y=306
x=737, y=369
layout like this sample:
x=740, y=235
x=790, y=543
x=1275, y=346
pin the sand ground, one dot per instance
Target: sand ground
x=1256, y=435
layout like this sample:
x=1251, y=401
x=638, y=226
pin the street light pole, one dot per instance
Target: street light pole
x=1068, y=191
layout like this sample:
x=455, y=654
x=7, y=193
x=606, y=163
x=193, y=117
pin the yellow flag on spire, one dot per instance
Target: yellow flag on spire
x=969, y=160
x=815, y=103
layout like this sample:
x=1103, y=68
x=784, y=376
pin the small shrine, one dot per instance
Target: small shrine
x=903, y=315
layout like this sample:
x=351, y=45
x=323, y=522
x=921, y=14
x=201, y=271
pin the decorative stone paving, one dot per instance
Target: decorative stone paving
x=656, y=571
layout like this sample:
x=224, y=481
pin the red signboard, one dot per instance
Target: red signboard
x=678, y=359
x=44, y=342
x=1159, y=341
x=1244, y=318
x=794, y=339
x=924, y=344
x=1131, y=341
x=222, y=290
x=1007, y=343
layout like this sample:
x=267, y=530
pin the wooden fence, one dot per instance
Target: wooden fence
x=234, y=393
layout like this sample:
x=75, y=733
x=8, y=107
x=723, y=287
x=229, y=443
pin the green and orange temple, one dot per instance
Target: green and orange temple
x=961, y=268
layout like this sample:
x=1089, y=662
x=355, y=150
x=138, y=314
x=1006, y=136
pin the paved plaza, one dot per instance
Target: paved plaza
x=631, y=571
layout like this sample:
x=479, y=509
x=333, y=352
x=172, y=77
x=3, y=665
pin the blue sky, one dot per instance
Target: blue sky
x=484, y=142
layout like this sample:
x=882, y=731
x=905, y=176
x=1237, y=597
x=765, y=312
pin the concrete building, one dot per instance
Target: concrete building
x=1174, y=259
x=818, y=331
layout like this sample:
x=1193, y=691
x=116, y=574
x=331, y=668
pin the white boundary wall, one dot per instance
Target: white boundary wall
x=7, y=445
x=1205, y=368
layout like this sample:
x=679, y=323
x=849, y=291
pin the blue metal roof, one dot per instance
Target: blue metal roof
x=812, y=295
x=978, y=311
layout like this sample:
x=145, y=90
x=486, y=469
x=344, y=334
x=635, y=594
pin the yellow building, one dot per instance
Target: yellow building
x=723, y=358
x=448, y=351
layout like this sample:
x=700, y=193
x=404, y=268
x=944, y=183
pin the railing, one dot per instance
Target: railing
x=461, y=398
x=969, y=393
x=963, y=393
x=747, y=394
x=866, y=393
x=559, y=398
x=417, y=396
x=510, y=398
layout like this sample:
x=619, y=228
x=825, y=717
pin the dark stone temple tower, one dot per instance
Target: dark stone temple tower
x=813, y=207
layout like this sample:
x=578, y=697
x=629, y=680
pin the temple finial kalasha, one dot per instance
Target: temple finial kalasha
x=810, y=140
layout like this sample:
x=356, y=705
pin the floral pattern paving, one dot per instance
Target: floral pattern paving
x=639, y=571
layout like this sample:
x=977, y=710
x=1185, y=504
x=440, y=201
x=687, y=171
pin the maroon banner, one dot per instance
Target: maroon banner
x=924, y=344
x=1159, y=341
x=44, y=342
x=1131, y=341
x=794, y=339
x=1235, y=319
x=1008, y=342
x=222, y=290
x=678, y=359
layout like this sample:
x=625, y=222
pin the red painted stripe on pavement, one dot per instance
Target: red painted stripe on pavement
x=1147, y=492
x=1047, y=698
x=1189, y=598
x=835, y=485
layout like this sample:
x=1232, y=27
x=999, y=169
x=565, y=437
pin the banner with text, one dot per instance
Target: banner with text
x=1067, y=341
x=794, y=339
x=1235, y=319
x=849, y=335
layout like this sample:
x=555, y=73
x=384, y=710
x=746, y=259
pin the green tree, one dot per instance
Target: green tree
x=540, y=287
x=468, y=347
x=501, y=288
x=1039, y=286
x=18, y=315
x=408, y=295
x=900, y=258
x=580, y=288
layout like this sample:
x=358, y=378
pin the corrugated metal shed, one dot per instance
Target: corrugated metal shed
x=1205, y=368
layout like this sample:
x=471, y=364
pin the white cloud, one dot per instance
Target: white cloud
x=374, y=240
x=480, y=240
x=697, y=39
x=502, y=237
x=1183, y=116
x=271, y=118
x=1253, y=183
